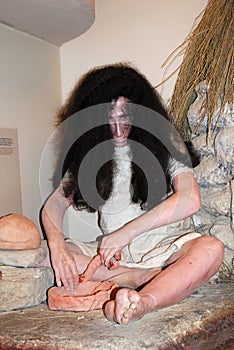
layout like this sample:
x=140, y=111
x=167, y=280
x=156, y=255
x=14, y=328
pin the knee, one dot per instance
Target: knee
x=214, y=248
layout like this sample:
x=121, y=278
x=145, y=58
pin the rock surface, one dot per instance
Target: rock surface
x=18, y=232
x=217, y=201
x=24, y=287
x=215, y=173
x=203, y=321
x=222, y=230
x=22, y=258
x=208, y=173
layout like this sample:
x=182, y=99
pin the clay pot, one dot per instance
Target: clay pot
x=90, y=295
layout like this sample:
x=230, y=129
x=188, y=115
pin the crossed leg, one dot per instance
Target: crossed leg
x=193, y=265
x=122, y=275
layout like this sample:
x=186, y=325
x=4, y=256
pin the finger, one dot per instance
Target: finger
x=72, y=276
x=118, y=256
x=67, y=276
x=108, y=256
x=82, y=278
x=102, y=253
x=64, y=280
x=75, y=276
x=113, y=265
x=57, y=278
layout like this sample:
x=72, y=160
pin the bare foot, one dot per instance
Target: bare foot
x=128, y=305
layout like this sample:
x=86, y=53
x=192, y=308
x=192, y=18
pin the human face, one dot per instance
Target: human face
x=120, y=122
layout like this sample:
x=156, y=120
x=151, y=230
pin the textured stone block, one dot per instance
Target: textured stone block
x=22, y=258
x=217, y=202
x=24, y=287
x=208, y=174
x=208, y=315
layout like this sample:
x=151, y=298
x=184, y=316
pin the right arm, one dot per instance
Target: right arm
x=62, y=261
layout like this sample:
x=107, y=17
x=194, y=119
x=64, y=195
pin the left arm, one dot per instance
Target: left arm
x=184, y=202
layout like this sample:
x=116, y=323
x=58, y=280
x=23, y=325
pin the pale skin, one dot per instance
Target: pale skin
x=194, y=263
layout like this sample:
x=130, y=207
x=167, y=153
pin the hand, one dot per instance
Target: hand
x=111, y=247
x=64, y=266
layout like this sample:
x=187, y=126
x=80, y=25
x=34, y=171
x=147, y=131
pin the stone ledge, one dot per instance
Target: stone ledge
x=206, y=314
x=22, y=258
x=24, y=287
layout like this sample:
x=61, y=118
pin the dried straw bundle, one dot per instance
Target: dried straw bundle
x=208, y=55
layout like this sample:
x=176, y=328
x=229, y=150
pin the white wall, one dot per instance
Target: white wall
x=30, y=92
x=142, y=32
x=137, y=31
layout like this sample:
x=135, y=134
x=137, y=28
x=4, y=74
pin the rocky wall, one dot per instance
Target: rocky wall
x=215, y=173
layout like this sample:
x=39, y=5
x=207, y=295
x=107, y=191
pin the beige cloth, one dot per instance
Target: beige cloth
x=152, y=248
x=145, y=257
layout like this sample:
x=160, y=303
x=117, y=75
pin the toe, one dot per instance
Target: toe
x=132, y=306
x=109, y=310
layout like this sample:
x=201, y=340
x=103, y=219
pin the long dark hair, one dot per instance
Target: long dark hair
x=101, y=86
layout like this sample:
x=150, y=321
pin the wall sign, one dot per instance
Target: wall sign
x=10, y=185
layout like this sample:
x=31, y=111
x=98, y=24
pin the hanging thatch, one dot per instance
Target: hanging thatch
x=208, y=55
